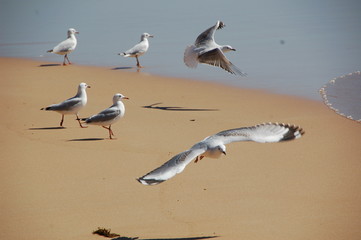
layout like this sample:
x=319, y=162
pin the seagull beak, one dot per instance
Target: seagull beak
x=233, y=49
x=224, y=152
x=88, y=86
x=77, y=32
x=152, y=36
x=125, y=98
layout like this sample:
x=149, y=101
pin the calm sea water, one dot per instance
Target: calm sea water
x=286, y=46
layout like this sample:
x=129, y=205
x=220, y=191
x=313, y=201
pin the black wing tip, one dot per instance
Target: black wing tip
x=86, y=120
x=46, y=108
x=221, y=25
x=149, y=182
x=51, y=50
x=293, y=132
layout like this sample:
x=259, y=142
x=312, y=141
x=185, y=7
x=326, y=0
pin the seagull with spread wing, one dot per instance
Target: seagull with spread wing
x=206, y=50
x=214, y=146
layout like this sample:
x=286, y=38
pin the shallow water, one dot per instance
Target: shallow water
x=288, y=47
x=343, y=95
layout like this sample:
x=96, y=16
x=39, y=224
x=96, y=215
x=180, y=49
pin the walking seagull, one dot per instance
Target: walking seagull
x=110, y=115
x=72, y=105
x=214, y=146
x=139, y=49
x=206, y=50
x=66, y=46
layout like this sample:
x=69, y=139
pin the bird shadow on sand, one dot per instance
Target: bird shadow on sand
x=187, y=238
x=50, y=65
x=85, y=139
x=123, y=68
x=170, y=108
x=136, y=69
x=47, y=128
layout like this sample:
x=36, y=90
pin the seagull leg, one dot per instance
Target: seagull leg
x=198, y=158
x=66, y=56
x=138, y=64
x=78, y=119
x=110, y=131
x=62, y=120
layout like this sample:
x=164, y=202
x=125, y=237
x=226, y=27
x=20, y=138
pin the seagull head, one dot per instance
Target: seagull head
x=118, y=96
x=146, y=35
x=83, y=86
x=227, y=48
x=72, y=31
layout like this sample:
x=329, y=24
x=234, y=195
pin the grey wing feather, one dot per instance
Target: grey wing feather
x=64, y=46
x=208, y=35
x=103, y=116
x=138, y=48
x=216, y=58
x=170, y=168
x=267, y=132
x=66, y=105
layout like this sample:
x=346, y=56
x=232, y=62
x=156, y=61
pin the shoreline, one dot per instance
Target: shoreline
x=227, y=83
x=65, y=183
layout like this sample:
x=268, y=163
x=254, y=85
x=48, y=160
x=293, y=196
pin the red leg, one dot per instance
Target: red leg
x=78, y=119
x=138, y=64
x=66, y=55
x=110, y=131
x=62, y=120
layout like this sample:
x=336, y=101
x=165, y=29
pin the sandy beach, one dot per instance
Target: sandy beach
x=65, y=183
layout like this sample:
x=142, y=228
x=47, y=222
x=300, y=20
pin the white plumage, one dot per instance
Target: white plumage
x=139, y=49
x=66, y=46
x=214, y=146
x=206, y=50
x=72, y=105
x=110, y=115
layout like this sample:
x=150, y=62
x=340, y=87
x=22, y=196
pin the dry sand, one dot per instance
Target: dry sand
x=65, y=183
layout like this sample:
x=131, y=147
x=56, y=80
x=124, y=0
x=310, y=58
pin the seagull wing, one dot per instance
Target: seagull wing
x=67, y=105
x=139, y=48
x=266, y=132
x=104, y=116
x=172, y=167
x=208, y=35
x=215, y=57
x=65, y=46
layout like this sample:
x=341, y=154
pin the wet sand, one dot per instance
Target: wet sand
x=63, y=183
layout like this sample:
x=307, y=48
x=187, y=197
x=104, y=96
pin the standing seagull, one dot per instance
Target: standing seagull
x=139, y=49
x=206, y=50
x=66, y=46
x=110, y=115
x=213, y=146
x=72, y=105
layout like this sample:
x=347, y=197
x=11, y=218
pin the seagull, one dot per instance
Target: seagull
x=72, y=105
x=110, y=115
x=66, y=46
x=206, y=50
x=139, y=49
x=214, y=146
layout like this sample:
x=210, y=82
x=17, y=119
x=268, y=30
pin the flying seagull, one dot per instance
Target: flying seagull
x=66, y=46
x=110, y=115
x=72, y=105
x=206, y=50
x=139, y=49
x=214, y=146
